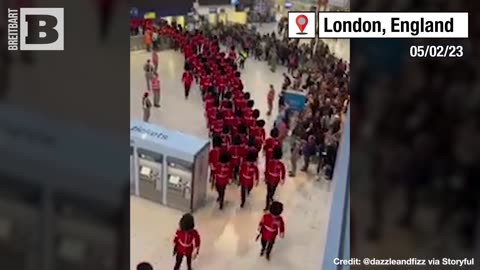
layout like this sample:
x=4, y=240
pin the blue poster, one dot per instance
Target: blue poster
x=295, y=100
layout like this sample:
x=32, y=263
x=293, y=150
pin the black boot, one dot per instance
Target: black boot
x=262, y=252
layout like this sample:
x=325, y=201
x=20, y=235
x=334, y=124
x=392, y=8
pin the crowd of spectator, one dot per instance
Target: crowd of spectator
x=312, y=69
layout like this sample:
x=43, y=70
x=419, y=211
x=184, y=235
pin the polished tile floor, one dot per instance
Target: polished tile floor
x=228, y=236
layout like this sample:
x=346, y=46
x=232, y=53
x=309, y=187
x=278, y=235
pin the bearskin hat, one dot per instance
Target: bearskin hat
x=242, y=129
x=251, y=156
x=256, y=113
x=236, y=140
x=226, y=129
x=274, y=133
x=216, y=141
x=250, y=104
x=277, y=153
x=211, y=89
x=144, y=266
x=229, y=105
x=224, y=157
x=260, y=123
x=187, y=222
x=239, y=113
x=276, y=208
x=228, y=95
x=246, y=96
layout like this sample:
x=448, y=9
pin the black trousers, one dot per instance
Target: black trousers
x=271, y=188
x=235, y=173
x=267, y=246
x=179, y=259
x=187, y=90
x=244, y=191
x=221, y=194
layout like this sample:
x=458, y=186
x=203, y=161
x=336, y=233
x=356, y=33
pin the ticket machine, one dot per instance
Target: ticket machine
x=169, y=167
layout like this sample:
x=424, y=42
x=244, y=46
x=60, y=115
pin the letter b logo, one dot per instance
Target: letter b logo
x=41, y=29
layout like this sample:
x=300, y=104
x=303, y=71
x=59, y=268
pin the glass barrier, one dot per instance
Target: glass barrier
x=338, y=231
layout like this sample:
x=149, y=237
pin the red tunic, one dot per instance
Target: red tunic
x=230, y=120
x=186, y=241
x=275, y=172
x=213, y=157
x=240, y=104
x=270, y=226
x=247, y=112
x=248, y=174
x=238, y=153
x=270, y=144
x=211, y=114
x=217, y=126
x=155, y=84
x=226, y=140
x=223, y=174
x=209, y=103
x=187, y=79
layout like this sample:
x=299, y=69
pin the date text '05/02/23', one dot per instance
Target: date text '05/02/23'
x=436, y=51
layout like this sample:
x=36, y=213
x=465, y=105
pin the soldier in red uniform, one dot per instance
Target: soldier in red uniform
x=270, y=144
x=211, y=112
x=269, y=227
x=237, y=153
x=187, y=79
x=223, y=176
x=242, y=131
x=227, y=110
x=241, y=101
x=186, y=242
x=252, y=147
x=274, y=175
x=217, y=124
x=248, y=176
x=227, y=97
x=226, y=137
x=258, y=132
x=248, y=117
x=214, y=155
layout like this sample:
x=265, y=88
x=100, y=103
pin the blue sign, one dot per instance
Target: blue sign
x=295, y=101
x=151, y=133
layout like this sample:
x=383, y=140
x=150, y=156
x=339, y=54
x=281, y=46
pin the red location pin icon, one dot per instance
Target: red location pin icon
x=302, y=22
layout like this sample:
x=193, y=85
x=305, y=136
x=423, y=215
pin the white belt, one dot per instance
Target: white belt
x=273, y=174
x=247, y=176
x=270, y=229
x=185, y=245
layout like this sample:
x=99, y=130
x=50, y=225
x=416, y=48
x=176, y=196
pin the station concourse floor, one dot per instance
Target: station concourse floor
x=228, y=236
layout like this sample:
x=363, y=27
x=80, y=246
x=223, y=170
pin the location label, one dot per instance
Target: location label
x=302, y=22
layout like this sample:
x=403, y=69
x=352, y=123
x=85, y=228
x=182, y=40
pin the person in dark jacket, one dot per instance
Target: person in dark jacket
x=309, y=150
